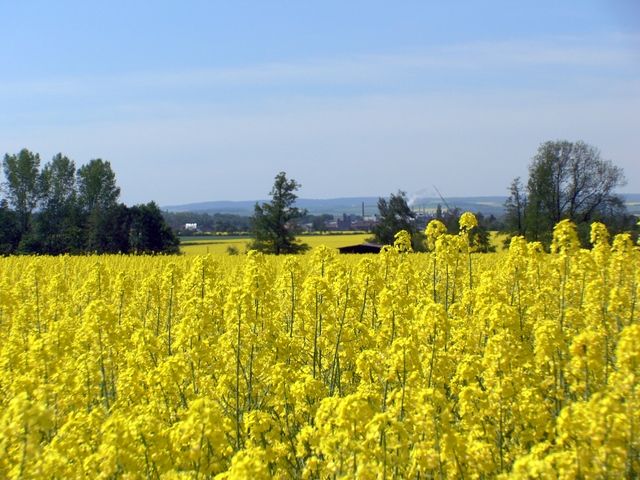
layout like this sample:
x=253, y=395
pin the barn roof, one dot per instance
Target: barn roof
x=361, y=248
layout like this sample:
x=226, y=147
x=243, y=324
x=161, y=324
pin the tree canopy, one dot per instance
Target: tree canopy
x=274, y=223
x=567, y=180
x=58, y=209
x=148, y=232
x=394, y=216
x=21, y=184
x=97, y=188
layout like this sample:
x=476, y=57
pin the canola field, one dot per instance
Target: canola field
x=447, y=364
x=221, y=244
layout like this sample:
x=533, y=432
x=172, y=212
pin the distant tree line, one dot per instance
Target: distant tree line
x=61, y=209
x=567, y=180
x=207, y=222
x=275, y=224
x=231, y=223
x=318, y=222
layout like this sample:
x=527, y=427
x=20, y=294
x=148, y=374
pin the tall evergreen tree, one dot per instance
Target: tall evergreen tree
x=274, y=226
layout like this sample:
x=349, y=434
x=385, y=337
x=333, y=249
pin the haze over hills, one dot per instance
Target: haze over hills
x=488, y=205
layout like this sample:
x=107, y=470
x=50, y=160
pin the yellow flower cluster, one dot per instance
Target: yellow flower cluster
x=447, y=364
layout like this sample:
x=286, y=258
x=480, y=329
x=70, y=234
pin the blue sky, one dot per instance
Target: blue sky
x=193, y=101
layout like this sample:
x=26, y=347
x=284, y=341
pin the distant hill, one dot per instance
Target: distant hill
x=243, y=207
x=493, y=205
x=333, y=206
x=633, y=202
x=489, y=205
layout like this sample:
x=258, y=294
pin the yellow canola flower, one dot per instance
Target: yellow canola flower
x=565, y=238
x=599, y=234
x=468, y=221
x=402, y=242
x=447, y=364
x=434, y=229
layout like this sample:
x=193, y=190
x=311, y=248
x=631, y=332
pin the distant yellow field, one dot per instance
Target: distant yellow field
x=497, y=240
x=220, y=245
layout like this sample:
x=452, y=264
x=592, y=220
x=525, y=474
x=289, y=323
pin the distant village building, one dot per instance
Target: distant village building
x=192, y=227
x=344, y=223
x=365, y=224
x=331, y=225
x=352, y=222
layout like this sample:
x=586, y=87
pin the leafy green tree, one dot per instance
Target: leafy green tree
x=21, y=185
x=57, y=183
x=515, y=208
x=274, y=223
x=567, y=180
x=98, y=196
x=9, y=229
x=394, y=215
x=61, y=210
x=58, y=225
x=149, y=233
x=109, y=231
x=97, y=188
x=480, y=237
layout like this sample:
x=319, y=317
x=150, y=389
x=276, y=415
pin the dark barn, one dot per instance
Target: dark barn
x=361, y=248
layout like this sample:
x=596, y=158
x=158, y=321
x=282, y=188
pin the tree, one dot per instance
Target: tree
x=149, y=232
x=61, y=210
x=566, y=181
x=58, y=225
x=9, y=229
x=515, y=207
x=109, y=231
x=97, y=188
x=98, y=196
x=21, y=185
x=394, y=215
x=480, y=236
x=274, y=223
